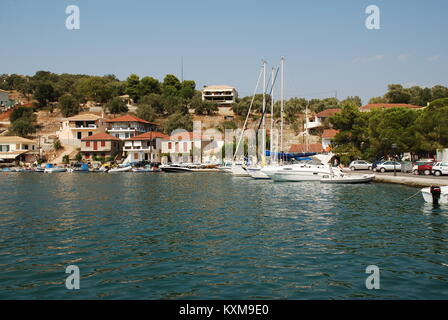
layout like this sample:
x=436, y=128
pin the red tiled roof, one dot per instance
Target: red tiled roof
x=130, y=118
x=328, y=113
x=329, y=133
x=388, y=106
x=100, y=136
x=302, y=148
x=149, y=136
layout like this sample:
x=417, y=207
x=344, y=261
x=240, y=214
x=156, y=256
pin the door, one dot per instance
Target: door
x=95, y=145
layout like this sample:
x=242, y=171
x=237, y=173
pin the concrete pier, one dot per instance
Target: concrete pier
x=406, y=179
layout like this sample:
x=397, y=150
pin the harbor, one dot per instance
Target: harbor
x=215, y=236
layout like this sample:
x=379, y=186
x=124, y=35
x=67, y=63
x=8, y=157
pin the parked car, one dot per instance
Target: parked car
x=376, y=163
x=440, y=168
x=360, y=165
x=388, y=166
x=421, y=167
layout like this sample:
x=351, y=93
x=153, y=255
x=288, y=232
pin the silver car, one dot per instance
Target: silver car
x=388, y=166
x=360, y=165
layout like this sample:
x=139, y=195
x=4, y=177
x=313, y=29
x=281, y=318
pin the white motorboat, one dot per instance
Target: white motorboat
x=435, y=195
x=120, y=169
x=348, y=179
x=299, y=172
x=55, y=170
x=257, y=174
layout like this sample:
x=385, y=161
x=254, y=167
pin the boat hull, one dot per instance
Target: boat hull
x=348, y=179
x=427, y=196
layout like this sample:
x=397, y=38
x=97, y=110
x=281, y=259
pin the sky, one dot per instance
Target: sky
x=327, y=48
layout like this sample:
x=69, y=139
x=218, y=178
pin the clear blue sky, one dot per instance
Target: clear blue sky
x=325, y=43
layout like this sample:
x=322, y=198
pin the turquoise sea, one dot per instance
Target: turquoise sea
x=214, y=236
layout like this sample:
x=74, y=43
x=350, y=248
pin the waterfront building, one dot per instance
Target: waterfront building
x=327, y=136
x=146, y=146
x=319, y=118
x=129, y=126
x=4, y=98
x=14, y=149
x=183, y=145
x=74, y=129
x=372, y=106
x=100, y=145
x=223, y=95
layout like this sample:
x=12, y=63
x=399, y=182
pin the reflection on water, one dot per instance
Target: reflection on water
x=213, y=236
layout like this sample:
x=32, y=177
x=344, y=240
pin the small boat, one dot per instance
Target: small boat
x=55, y=170
x=175, y=168
x=146, y=169
x=435, y=195
x=257, y=174
x=348, y=179
x=84, y=168
x=119, y=169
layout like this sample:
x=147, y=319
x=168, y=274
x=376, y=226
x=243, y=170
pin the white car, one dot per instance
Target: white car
x=360, y=165
x=388, y=166
x=440, y=168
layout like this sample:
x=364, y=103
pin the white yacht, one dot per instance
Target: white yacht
x=299, y=172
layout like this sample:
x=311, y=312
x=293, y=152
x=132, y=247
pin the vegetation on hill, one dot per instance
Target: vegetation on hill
x=371, y=135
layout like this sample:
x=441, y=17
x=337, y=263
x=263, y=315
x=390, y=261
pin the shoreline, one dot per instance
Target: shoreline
x=412, y=181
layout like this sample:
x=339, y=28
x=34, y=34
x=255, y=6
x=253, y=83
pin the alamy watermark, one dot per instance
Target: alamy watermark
x=73, y=21
x=72, y=282
x=373, y=20
x=373, y=280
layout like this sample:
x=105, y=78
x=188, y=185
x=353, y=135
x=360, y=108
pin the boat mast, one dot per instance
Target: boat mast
x=282, y=61
x=271, y=138
x=263, y=139
x=247, y=116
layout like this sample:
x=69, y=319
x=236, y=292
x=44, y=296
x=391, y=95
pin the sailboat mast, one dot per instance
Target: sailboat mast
x=282, y=92
x=263, y=139
x=271, y=138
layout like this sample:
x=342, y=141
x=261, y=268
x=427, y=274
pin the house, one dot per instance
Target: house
x=75, y=128
x=327, y=136
x=183, y=146
x=304, y=148
x=15, y=149
x=146, y=146
x=100, y=145
x=4, y=98
x=129, y=126
x=372, y=106
x=223, y=95
x=320, y=118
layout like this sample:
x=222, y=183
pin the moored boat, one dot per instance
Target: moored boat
x=119, y=169
x=348, y=179
x=49, y=168
x=435, y=195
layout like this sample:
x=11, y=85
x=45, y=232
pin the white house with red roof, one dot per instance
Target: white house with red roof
x=182, y=146
x=144, y=147
x=320, y=117
x=129, y=126
x=327, y=136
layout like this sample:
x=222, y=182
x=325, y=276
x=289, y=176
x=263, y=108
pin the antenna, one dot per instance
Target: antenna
x=181, y=69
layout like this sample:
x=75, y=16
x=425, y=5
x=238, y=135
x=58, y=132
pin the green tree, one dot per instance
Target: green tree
x=397, y=94
x=147, y=86
x=116, y=105
x=94, y=88
x=68, y=105
x=155, y=101
x=23, y=127
x=178, y=121
x=133, y=87
x=146, y=112
x=44, y=94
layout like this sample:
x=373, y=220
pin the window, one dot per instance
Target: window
x=90, y=133
x=185, y=146
x=170, y=145
x=25, y=146
x=79, y=135
x=103, y=143
x=4, y=148
x=87, y=143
